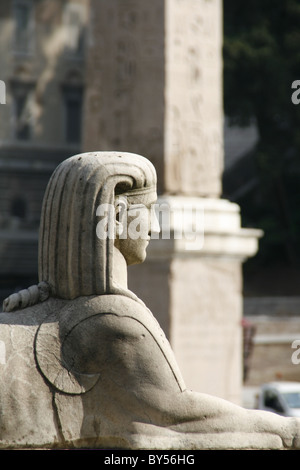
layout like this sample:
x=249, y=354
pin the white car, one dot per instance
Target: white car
x=280, y=397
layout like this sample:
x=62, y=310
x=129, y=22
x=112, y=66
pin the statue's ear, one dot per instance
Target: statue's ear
x=121, y=206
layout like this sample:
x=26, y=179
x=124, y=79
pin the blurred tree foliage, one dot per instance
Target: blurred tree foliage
x=261, y=61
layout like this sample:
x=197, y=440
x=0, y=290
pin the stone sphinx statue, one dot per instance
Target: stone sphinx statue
x=83, y=362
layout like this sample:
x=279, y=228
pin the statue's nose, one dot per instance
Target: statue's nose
x=154, y=224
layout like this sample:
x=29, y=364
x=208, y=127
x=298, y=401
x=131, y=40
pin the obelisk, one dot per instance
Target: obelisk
x=154, y=87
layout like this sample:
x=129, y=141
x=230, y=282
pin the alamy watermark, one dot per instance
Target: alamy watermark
x=296, y=354
x=296, y=94
x=2, y=92
x=157, y=221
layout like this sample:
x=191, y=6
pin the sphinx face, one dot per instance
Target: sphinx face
x=138, y=224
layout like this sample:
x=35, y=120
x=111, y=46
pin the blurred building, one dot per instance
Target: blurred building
x=42, y=49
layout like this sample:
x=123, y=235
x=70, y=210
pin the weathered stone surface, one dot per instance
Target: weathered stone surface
x=27, y=415
x=159, y=90
x=89, y=366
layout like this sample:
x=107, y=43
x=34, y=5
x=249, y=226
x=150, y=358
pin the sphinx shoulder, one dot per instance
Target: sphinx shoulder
x=115, y=313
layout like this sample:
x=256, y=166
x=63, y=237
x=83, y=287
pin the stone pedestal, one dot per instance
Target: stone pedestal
x=154, y=87
x=193, y=284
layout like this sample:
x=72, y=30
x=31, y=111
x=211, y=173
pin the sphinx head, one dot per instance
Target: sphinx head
x=96, y=206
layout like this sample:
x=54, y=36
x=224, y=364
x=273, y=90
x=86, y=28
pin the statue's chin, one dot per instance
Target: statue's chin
x=134, y=251
x=136, y=258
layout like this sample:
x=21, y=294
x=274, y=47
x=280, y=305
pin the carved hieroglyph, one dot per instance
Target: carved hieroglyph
x=83, y=362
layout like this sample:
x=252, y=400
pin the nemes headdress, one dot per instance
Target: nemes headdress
x=73, y=261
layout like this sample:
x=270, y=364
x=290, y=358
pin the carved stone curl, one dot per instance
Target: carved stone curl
x=84, y=362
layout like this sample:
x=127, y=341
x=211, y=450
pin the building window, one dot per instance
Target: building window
x=22, y=111
x=73, y=97
x=19, y=208
x=24, y=26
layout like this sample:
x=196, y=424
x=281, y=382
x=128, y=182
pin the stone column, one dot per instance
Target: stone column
x=154, y=87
